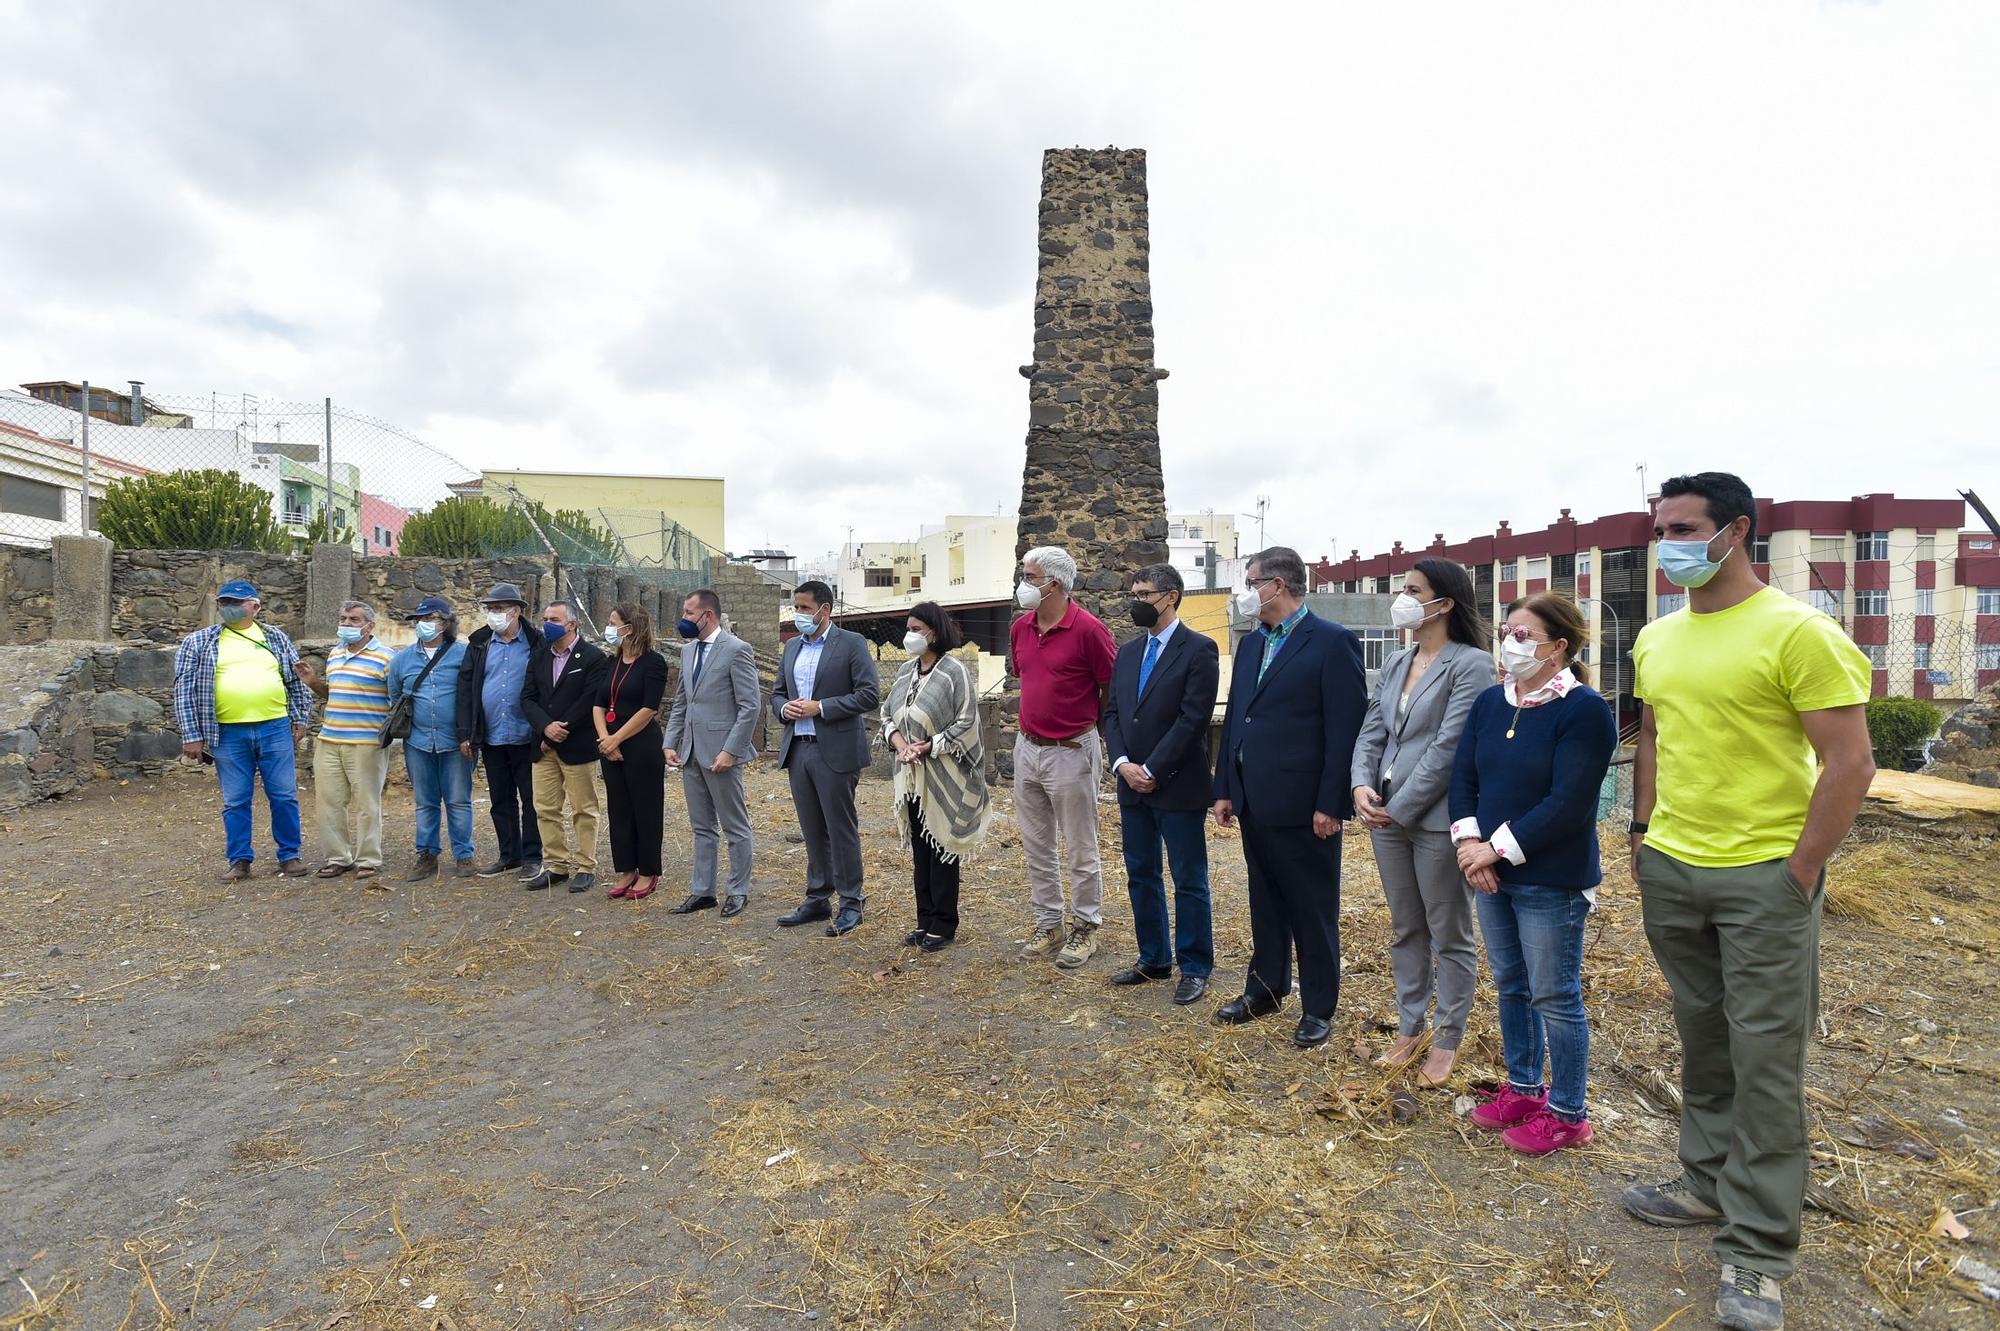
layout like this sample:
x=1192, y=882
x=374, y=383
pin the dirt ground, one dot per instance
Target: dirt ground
x=462, y=1106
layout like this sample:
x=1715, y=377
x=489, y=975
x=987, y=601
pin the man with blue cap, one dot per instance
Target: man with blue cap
x=426, y=672
x=240, y=704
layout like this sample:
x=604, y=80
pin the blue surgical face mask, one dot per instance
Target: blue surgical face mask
x=1686, y=563
x=427, y=630
x=612, y=633
x=348, y=634
x=232, y=612
x=807, y=624
x=687, y=628
x=554, y=633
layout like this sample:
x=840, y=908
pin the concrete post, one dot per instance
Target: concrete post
x=81, y=594
x=329, y=581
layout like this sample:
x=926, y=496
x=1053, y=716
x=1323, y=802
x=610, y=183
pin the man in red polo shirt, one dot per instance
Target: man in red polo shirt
x=1063, y=656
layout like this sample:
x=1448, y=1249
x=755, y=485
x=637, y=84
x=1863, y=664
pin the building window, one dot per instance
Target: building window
x=1872, y=545
x=1926, y=547
x=1826, y=602
x=1351, y=585
x=1509, y=571
x=1989, y=656
x=1878, y=655
x=879, y=577
x=31, y=499
x=1871, y=603
x=1760, y=550
x=1979, y=543
x=1926, y=601
x=1583, y=565
x=1382, y=586
x=1538, y=568
x=1672, y=601
x=1829, y=550
x=94, y=502
x=1989, y=601
x=1923, y=657
x=1377, y=645
x=1561, y=566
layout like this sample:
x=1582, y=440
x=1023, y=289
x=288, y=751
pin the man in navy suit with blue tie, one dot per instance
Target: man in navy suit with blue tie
x=1297, y=694
x=1156, y=729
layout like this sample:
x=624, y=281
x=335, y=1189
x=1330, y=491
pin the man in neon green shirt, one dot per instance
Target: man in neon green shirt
x=1731, y=831
x=239, y=703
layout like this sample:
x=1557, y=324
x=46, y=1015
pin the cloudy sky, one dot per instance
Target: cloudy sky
x=1416, y=268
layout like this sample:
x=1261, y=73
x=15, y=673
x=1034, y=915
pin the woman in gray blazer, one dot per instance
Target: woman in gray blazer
x=1401, y=773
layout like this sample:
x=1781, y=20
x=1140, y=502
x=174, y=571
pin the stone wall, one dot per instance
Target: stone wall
x=164, y=595
x=27, y=577
x=71, y=712
x=393, y=584
x=1968, y=744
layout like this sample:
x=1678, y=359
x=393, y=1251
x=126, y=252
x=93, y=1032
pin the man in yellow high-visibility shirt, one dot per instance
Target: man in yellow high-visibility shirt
x=239, y=703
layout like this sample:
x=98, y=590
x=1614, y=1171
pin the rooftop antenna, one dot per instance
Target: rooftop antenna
x=1645, y=493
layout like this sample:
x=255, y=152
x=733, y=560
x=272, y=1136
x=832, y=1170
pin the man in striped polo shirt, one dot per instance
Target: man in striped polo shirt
x=349, y=762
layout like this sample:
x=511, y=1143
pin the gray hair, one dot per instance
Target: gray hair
x=571, y=612
x=1283, y=563
x=1055, y=564
x=367, y=610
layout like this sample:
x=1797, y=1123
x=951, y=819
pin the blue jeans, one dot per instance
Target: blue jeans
x=1534, y=943
x=441, y=778
x=1185, y=833
x=247, y=750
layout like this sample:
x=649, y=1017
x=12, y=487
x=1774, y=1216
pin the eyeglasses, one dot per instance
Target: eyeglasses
x=1518, y=632
x=1150, y=596
x=1254, y=583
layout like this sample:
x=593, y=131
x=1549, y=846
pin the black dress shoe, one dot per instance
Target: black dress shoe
x=540, y=882
x=1244, y=1008
x=936, y=942
x=1141, y=974
x=498, y=867
x=583, y=881
x=734, y=904
x=845, y=922
x=914, y=937
x=693, y=904
x=1190, y=989
x=1312, y=1032
x=807, y=912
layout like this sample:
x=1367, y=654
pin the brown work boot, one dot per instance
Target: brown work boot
x=423, y=868
x=237, y=872
x=466, y=868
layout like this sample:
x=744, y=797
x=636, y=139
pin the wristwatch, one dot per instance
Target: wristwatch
x=1637, y=828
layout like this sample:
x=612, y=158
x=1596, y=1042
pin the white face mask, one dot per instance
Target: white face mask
x=1248, y=602
x=497, y=620
x=1028, y=596
x=915, y=643
x=1520, y=660
x=1407, y=612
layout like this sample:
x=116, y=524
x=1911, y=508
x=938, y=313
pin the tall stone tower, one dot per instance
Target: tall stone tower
x=1092, y=480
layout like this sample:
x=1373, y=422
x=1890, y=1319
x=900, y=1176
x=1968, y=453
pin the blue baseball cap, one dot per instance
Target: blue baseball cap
x=431, y=605
x=238, y=590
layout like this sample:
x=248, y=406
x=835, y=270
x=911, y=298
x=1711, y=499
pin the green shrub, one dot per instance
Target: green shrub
x=1897, y=725
x=190, y=510
x=472, y=528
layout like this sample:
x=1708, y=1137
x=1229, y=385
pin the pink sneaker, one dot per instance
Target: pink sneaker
x=1506, y=1107
x=1545, y=1133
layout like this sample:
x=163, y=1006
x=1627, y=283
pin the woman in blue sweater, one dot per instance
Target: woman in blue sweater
x=1524, y=816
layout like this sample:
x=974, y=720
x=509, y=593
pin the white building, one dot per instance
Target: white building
x=965, y=559
x=1195, y=540
x=41, y=486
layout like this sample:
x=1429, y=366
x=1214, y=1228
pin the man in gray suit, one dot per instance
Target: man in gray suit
x=825, y=694
x=710, y=735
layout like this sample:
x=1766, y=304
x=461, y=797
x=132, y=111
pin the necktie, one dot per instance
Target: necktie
x=1146, y=665
x=700, y=651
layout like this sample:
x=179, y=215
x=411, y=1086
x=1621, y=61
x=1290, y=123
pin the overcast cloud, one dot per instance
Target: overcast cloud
x=1416, y=268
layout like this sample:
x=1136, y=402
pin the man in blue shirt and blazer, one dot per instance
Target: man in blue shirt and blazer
x=1156, y=730
x=1297, y=696
x=826, y=692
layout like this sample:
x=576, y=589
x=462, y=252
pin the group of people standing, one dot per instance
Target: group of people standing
x=1480, y=799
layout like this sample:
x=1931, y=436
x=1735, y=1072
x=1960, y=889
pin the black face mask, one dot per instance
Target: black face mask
x=1145, y=614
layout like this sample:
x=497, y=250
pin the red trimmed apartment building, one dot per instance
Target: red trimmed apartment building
x=1921, y=597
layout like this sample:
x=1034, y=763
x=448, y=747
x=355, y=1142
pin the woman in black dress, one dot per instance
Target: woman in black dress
x=629, y=750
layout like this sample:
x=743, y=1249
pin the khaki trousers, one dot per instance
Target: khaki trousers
x=1740, y=948
x=555, y=783
x=1055, y=794
x=347, y=781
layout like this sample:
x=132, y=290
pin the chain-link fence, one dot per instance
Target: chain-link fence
x=234, y=471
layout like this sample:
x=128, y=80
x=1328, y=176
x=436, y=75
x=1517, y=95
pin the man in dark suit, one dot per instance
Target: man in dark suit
x=557, y=697
x=1297, y=696
x=1156, y=729
x=826, y=695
